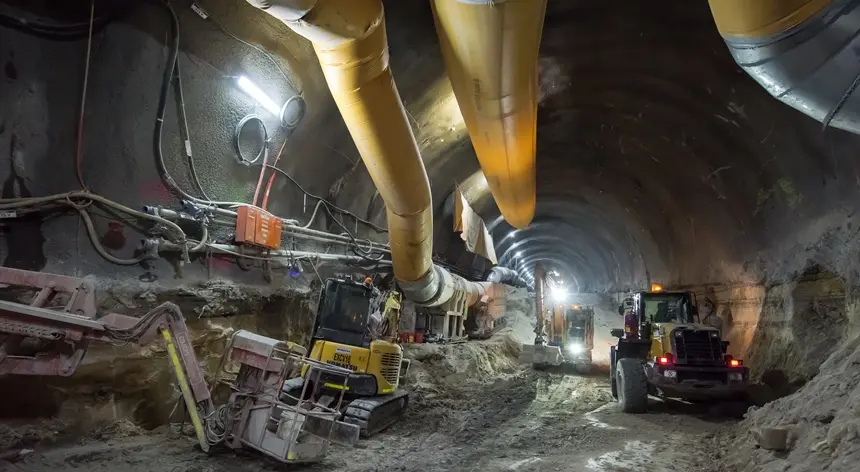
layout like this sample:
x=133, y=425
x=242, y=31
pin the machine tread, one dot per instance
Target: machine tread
x=632, y=385
x=373, y=414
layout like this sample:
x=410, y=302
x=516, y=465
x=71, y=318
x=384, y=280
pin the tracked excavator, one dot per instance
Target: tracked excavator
x=355, y=328
x=47, y=331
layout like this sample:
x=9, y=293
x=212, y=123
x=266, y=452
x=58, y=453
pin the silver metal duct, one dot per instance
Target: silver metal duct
x=813, y=66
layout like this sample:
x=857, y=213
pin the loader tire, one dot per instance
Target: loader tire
x=632, y=385
x=612, y=380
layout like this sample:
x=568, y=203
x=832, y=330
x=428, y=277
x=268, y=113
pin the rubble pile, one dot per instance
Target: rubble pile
x=818, y=426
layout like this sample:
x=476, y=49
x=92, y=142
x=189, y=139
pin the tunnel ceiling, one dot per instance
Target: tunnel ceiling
x=658, y=158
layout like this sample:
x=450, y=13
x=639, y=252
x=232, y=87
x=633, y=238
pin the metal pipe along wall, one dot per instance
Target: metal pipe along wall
x=490, y=49
x=801, y=51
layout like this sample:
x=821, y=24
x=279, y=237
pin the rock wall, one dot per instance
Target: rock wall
x=784, y=331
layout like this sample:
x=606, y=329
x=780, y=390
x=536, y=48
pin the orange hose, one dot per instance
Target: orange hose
x=272, y=176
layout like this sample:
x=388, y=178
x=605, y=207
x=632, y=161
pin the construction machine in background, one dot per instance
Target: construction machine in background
x=572, y=330
x=49, y=335
x=355, y=328
x=564, y=333
x=664, y=350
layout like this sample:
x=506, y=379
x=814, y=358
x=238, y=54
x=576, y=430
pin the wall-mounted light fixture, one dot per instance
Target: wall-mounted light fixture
x=289, y=114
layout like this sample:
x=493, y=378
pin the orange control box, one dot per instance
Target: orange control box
x=258, y=227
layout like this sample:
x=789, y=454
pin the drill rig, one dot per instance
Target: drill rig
x=50, y=332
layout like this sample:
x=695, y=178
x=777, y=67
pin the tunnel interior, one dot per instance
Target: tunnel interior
x=658, y=160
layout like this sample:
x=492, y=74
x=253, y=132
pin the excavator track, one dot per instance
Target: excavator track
x=373, y=414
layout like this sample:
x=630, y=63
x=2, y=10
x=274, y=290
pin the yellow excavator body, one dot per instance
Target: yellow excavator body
x=380, y=361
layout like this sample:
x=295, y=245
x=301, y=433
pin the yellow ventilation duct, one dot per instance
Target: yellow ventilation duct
x=490, y=48
x=350, y=41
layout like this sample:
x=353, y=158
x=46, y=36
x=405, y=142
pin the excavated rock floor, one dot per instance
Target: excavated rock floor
x=474, y=407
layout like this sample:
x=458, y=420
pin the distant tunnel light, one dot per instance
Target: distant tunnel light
x=656, y=288
x=559, y=294
x=251, y=89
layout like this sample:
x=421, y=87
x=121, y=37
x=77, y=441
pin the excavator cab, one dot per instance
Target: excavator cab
x=343, y=312
x=343, y=337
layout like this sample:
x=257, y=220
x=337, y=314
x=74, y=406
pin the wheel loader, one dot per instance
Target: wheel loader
x=347, y=335
x=664, y=350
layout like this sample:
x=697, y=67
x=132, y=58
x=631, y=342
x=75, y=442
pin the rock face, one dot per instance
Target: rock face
x=821, y=420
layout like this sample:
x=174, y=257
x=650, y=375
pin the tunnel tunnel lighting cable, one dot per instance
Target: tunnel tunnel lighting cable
x=79, y=145
x=378, y=228
x=97, y=245
x=181, y=96
x=167, y=79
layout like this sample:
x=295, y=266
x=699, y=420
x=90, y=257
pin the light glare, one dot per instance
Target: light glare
x=251, y=89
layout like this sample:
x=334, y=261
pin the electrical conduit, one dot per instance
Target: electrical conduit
x=801, y=51
x=350, y=41
x=490, y=49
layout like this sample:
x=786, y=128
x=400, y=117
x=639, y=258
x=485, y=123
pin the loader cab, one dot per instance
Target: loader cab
x=343, y=312
x=665, y=307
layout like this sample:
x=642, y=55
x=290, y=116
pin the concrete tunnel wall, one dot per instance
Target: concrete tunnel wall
x=658, y=158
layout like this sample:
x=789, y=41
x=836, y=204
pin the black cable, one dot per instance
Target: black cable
x=252, y=118
x=327, y=203
x=356, y=248
x=169, y=70
x=181, y=97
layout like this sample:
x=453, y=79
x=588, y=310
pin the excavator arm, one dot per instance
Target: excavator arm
x=50, y=334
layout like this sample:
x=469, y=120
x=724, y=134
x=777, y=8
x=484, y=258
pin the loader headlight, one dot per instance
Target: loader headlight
x=575, y=348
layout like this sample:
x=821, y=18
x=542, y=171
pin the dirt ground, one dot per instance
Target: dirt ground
x=473, y=408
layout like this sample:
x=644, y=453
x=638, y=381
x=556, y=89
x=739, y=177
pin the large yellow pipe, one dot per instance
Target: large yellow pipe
x=350, y=41
x=490, y=49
